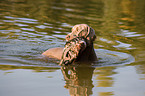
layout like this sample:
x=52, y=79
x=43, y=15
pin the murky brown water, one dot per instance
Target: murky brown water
x=29, y=27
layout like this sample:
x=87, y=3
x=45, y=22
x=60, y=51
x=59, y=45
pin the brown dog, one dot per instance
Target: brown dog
x=84, y=46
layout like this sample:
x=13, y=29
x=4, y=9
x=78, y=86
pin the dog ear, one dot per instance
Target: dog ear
x=93, y=38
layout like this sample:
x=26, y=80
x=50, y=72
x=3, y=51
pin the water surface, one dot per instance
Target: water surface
x=29, y=27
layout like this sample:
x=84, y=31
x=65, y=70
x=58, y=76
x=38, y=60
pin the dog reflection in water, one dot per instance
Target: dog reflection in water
x=78, y=80
x=79, y=46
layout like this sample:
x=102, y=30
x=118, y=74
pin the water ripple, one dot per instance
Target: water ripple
x=126, y=33
x=27, y=27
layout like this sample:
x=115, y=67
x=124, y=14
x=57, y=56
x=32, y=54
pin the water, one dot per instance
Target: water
x=28, y=28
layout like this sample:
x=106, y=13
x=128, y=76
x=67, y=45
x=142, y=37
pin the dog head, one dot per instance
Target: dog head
x=82, y=30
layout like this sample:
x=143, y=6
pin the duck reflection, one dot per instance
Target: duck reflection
x=78, y=80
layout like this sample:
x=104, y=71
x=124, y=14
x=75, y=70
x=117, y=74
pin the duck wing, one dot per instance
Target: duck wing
x=72, y=50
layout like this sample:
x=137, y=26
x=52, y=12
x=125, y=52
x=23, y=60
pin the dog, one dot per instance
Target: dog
x=79, y=46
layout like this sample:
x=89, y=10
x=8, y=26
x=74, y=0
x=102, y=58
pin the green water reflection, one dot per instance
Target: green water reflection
x=29, y=27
